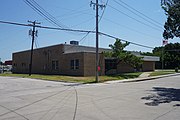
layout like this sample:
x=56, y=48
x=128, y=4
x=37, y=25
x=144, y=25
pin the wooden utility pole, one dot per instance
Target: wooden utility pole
x=96, y=6
x=33, y=33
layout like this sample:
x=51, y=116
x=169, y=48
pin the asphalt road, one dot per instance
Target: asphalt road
x=28, y=99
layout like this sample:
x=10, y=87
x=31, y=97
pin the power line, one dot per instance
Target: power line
x=141, y=33
x=84, y=37
x=85, y=21
x=98, y=21
x=141, y=13
x=103, y=10
x=72, y=30
x=51, y=16
x=42, y=12
x=134, y=18
x=13, y=23
x=132, y=11
x=64, y=29
x=74, y=14
x=105, y=34
x=46, y=27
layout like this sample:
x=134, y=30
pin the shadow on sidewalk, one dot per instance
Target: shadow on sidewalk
x=161, y=95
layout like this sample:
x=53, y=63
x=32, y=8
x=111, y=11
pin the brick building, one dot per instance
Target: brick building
x=70, y=59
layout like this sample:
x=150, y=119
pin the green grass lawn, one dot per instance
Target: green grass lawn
x=162, y=72
x=90, y=79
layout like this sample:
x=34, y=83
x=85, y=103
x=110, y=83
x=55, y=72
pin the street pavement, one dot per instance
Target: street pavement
x=30, y=99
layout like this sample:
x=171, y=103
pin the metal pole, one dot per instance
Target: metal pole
x=97, y=43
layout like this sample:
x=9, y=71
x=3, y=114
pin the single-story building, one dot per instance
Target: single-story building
x=72, y=59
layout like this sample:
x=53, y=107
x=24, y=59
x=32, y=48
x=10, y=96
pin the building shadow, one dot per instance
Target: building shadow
x=161, y=95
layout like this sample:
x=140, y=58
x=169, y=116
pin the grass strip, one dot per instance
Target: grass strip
x=90, y=79
x=166, y=72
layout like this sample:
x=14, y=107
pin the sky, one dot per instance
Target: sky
x=116, y=20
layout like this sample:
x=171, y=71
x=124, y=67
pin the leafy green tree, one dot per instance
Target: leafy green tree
x=123, y=55
x=171, y=55
x=172, y=25
x=133, y=60
x=147, y=54
x=157, y=51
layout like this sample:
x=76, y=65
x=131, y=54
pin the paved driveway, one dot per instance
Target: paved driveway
x=28, y=99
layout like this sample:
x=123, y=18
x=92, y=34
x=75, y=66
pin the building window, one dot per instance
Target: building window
x=55, y=65
x=74, y=64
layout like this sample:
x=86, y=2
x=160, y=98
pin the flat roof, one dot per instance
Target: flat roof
x=150, y=58
x=70, y=48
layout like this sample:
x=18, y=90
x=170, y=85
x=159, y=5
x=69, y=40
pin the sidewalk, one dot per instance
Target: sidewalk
x=144, y=77
x=145, y=74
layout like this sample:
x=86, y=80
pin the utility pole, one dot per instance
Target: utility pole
x=32, y=33
x=96, y=6
x=164, y=43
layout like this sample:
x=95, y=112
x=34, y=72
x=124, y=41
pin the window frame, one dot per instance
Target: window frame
x=74, y=64
x=55, y=65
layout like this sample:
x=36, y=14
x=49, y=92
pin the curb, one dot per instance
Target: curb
x=141, y=79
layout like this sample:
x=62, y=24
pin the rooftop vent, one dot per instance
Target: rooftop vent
x=74, y=42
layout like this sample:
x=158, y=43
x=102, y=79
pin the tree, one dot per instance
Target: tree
x=171, y=55
x=123, y=55
x=172, y=25
x=147, y=54
x=133, y=60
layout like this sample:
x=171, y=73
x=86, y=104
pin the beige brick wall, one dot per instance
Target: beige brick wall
x=87, y=64
x=90, y=64
x=42, y=60
x=43, y=57
x=123, y=68
x=21, y=62
x=65, y=65
x=148, y=66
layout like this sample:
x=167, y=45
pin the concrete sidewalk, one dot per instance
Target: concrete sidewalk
x=144, y=77
x=145, y=74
